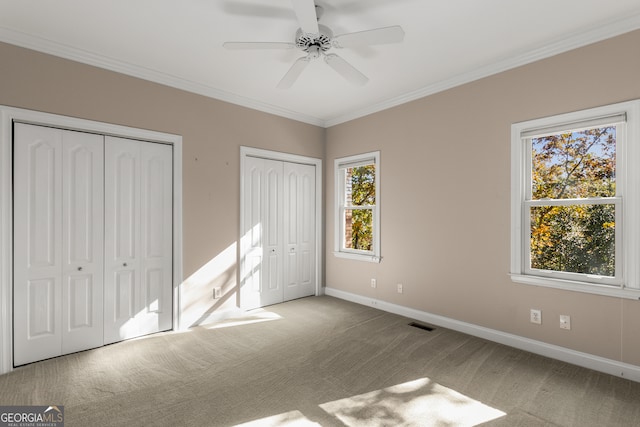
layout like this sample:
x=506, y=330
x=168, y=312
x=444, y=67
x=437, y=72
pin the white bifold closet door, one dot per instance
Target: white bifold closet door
x=299, y=230
x=92, y=240
x=262, y=264
x=58, y=211
x=138, y=238
x=278, y=241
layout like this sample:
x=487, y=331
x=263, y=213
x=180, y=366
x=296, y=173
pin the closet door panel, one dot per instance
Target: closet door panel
x=37, y=243
x=272, y=220
x=122, y=239
x=307, y=224
x=42, y=309
x=82, y=243
x=299, y=202
x=251, y=239
x=125, y=296
x=138, y=238
x=125, y=197
x=291, y=262
x=81, y=292
x=262, y=244
x=157, y=238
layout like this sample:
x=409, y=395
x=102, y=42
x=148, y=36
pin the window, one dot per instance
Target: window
x=358, y=206
x=574, y=202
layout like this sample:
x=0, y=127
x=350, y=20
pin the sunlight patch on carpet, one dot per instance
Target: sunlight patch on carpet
x=420, y=402
x=288, y=419
x=255, y=317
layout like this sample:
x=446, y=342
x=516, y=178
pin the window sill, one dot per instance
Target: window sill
x=575, y=286
x=358, y=257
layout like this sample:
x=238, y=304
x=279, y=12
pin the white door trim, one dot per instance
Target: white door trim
x=10, y=114
x=292, y=158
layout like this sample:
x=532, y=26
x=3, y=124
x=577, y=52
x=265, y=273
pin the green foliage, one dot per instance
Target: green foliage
x=577, y=238
x=362, y=231
x=575, y=165
x=363, y=193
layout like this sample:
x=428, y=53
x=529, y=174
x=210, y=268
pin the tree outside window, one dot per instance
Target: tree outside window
x=360, y=195
x=575, y=201
x=357, y=214
x=573, y=178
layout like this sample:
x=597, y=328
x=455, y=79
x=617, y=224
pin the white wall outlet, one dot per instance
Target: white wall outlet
x=399, y=288
x=217, y=292
x=374, y=283
x=536, y=316
x=565, y=321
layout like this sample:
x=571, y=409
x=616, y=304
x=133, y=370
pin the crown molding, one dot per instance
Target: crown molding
x=577, y=39
x=39, y=44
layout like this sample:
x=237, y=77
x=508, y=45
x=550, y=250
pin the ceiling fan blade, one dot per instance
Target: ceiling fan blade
x=384, y=35
x=345, y=69
x=306, y=13
x=258, y=45
x=294, y=72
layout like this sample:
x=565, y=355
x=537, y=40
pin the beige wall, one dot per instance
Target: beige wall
x=445, y=164
x=212, y=133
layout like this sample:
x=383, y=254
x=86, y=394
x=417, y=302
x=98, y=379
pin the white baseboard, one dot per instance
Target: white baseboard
x=586, y=360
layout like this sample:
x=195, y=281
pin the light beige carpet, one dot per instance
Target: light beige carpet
x=320, y=361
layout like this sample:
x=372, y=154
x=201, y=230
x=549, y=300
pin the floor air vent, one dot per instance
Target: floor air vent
x=421, y=326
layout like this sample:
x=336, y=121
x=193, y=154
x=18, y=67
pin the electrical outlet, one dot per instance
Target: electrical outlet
x=565, y=321
x=536, y=316
x=374, y=283
x=217, y=292
x=399, y=288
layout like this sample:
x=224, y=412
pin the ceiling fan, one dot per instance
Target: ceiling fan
x=316, y=40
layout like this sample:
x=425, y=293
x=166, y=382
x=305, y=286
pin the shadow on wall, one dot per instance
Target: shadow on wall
x=196, y=292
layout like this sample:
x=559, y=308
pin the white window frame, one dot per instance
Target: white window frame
x=340, y=165
x=626, y=284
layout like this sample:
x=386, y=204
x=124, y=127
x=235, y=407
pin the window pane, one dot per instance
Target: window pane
x=579, y=164
x=360, y=186
x=576, y=239
x=358, y=230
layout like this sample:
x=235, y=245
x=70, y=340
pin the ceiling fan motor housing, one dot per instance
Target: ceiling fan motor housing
x=312, y=43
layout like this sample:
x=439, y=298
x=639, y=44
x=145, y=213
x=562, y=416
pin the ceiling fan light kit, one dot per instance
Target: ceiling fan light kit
x=317, y=39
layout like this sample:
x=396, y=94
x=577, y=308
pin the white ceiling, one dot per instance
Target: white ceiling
x=179, y=43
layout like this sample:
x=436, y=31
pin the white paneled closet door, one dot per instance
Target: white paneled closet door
x=262, y=235
x=57, y=242
x=278, y=239
x=299, y=230
x=138, y=238
x=157, y=237
x=82, y=241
